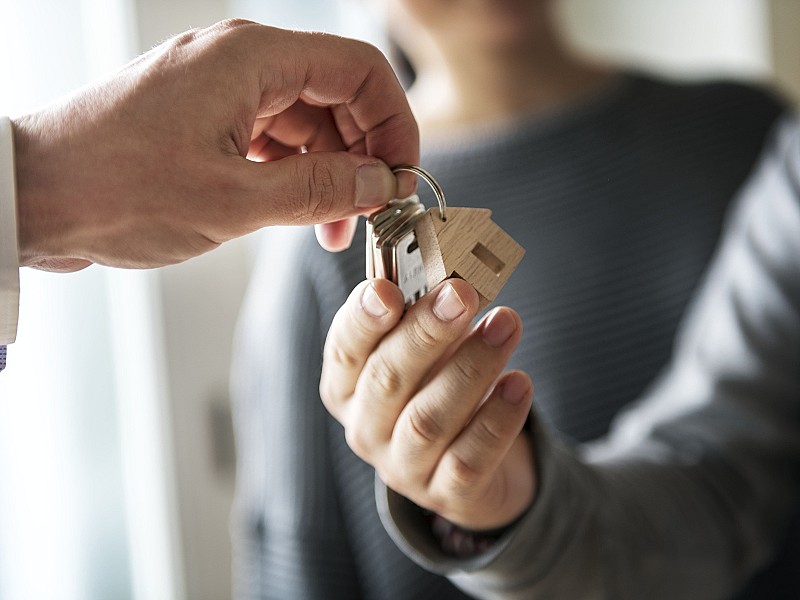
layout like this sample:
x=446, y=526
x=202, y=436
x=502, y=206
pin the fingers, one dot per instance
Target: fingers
x=436, y=416
x=401, y=362
x=366, y=347
x=475, y=456
x=303, y=75
x=336, y=236
x=372, y=309
x=327, y=70
x=331, y=95
x=302, y=125
x=368, y=350
x=438, y=425
x=326, y=93
x=264, y=149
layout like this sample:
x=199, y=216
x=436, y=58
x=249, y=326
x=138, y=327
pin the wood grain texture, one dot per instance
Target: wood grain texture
x=468, y=245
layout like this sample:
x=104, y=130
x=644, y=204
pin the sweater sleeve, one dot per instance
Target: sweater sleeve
x=9, y=261
x=693, y=487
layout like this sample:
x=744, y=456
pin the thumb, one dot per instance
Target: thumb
x=315, y=187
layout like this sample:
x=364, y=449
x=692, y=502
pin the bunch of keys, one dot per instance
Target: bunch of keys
x=417, y=248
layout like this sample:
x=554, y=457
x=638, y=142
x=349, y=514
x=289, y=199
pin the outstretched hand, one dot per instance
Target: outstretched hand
x=424, y=400
x=149, y=167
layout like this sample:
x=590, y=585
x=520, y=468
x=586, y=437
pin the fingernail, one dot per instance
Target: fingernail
x=372, y=303
x=515, y=390
x=498, y=328
x=374, y=185
x=448, y=305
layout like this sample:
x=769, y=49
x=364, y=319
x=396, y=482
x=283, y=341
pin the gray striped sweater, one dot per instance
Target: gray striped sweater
x=618, y=200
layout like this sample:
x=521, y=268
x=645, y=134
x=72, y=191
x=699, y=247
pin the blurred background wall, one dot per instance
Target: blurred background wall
x=116, y=451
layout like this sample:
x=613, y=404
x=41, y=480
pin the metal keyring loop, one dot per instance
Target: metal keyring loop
x=437, y=189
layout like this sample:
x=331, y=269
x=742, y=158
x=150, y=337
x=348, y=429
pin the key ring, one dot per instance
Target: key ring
x=437, y=189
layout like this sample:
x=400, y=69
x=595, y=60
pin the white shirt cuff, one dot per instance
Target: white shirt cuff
x=9, y=256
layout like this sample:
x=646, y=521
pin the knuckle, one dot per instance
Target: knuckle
x=183, y=39
x=170, y=53
x=234, y=35
x=233, y=23
x=321, y=191
x=396, y=478
x=462, y=477
x=467, y=369
x=360, y=329
x=355, y=440
x=326, y=392
x=489, y=433
x=385, y=376
x=360, y=441
x=343, y=357
x=394, y=472
x=423, y=425
x=365, y=47
x=420, y=336
x=376, y=56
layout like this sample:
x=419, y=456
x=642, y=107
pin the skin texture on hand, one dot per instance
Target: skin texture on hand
x=425, y=402
x=213, y=134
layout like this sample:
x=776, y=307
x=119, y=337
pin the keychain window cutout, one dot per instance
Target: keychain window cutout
x=483, y=254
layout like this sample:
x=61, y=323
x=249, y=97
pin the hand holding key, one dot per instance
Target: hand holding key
x=150, y=166
x=420, y=400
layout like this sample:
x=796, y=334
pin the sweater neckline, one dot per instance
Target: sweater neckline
x=542, y=124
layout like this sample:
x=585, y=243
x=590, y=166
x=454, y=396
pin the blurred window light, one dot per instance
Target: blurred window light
x=360, y=19
x=688, y=38
x=83, y=502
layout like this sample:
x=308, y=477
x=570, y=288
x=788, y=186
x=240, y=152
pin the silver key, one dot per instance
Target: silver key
x=392, y=249
x=380, y=224
x=409, y=270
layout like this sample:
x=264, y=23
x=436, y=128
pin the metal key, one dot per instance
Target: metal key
x=392, y=251
x=381, y=225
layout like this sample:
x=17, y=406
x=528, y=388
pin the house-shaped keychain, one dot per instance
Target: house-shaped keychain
x=469, y=245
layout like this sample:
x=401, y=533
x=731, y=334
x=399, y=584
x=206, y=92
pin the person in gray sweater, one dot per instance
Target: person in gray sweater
x=690, y=492
x=616, y=184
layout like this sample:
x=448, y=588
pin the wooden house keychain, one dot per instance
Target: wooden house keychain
x=418, y=249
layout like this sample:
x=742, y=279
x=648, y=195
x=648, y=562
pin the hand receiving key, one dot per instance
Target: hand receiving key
x=424, y=400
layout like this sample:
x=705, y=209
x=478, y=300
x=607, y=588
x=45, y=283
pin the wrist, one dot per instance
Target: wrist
x=29, y=182
x=462, y=542
x=42, y=171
